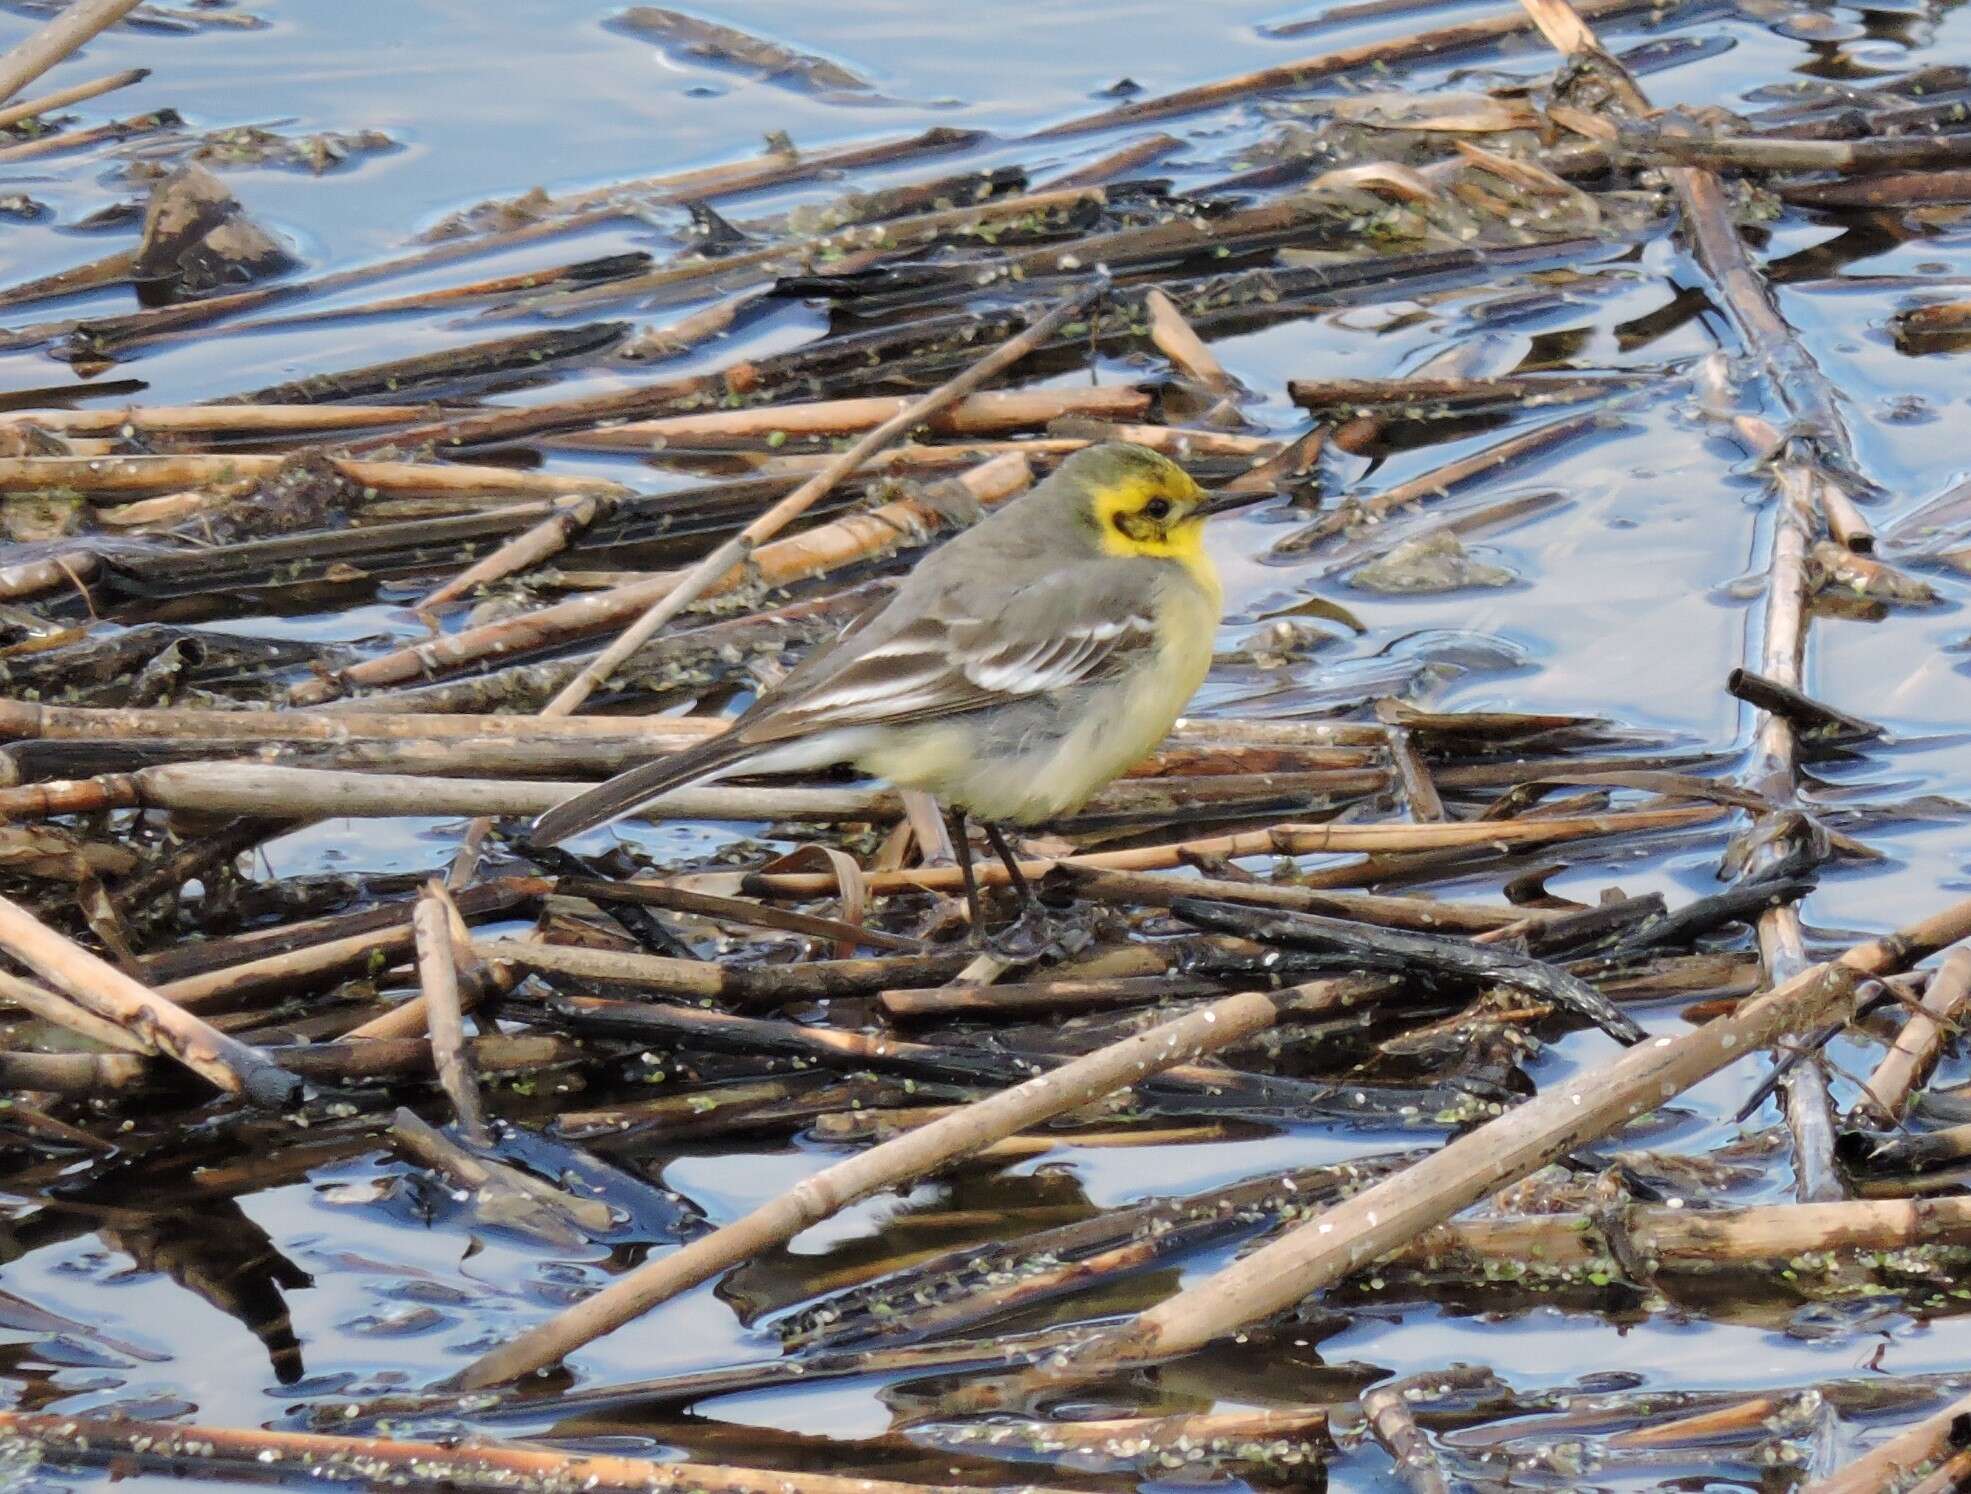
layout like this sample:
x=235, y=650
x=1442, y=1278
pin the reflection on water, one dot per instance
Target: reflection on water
x=237, y=1294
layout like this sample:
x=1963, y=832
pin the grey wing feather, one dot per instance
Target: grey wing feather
x=1069, y=627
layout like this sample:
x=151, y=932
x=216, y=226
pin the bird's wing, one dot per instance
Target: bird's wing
x=1073, y=626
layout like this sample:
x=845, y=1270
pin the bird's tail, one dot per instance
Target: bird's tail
x=629, y=791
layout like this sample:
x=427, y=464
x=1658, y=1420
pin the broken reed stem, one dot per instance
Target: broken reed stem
x=438, y=982
x=57, y=1009
x=1178, y=341
x=40, y=50
x=482, y=1466
x=1700, y=1239
x=1387, y=1409
x=1891, y=1465
x=27, y=721
x=546, y=539
x=107, y=992
x=902, y=1160
x=76, y=93
x=1917, y=1046
x=1576, y=1113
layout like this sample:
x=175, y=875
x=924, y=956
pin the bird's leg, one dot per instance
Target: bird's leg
x=961, y=845
x=1036, y=930
x=1028, y=902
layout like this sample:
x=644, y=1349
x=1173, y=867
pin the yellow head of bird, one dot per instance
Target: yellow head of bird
x=1138, y=502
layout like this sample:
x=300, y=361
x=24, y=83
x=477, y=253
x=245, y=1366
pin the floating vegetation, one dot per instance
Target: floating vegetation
x=1476, y=1007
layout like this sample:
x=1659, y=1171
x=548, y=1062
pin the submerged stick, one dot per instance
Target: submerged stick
x=901, y=1160
x=107, y=992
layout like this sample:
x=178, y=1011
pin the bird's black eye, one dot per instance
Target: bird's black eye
x=1158, y=508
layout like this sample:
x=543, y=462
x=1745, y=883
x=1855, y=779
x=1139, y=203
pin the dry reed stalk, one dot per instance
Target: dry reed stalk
x=858, y=536
x=218, y=420
x=1949, y=1477
x=444, y=1007
x=113, y=130
x=107, y=992
x=1280, y=840
x=184, y=321
x=75, y=93
x=1800, y=481
x=985, y=413
x=908, y=1157
x=481, y=1466
x=33, y=578
x=54, y=1008
x=1917, y=1046
x=1701, y=1239
x=524, y=551
x=28, y=721
x=99, y=476
x=75, y=1074
x=1391, y=1213
x=68, y=30
x=1178, y=341
x=1119, y=162
x=706, y=979
x=1185, y=443
x=1208, y=1435
x=314, y=793
x=545, y=280
x=1893, y=1464
x=1420, y=794
x=230, y=985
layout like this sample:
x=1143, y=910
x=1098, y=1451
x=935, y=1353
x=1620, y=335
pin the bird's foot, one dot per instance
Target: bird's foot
x=1040, y=932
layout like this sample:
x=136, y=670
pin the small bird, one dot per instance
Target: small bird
x=1018, y=669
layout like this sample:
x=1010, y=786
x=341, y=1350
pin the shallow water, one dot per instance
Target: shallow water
x=1626, y=605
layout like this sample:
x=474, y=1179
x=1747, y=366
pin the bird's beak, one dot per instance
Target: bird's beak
x=1225, y=501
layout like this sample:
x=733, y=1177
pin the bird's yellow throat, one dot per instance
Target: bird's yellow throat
x=1126, y=531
